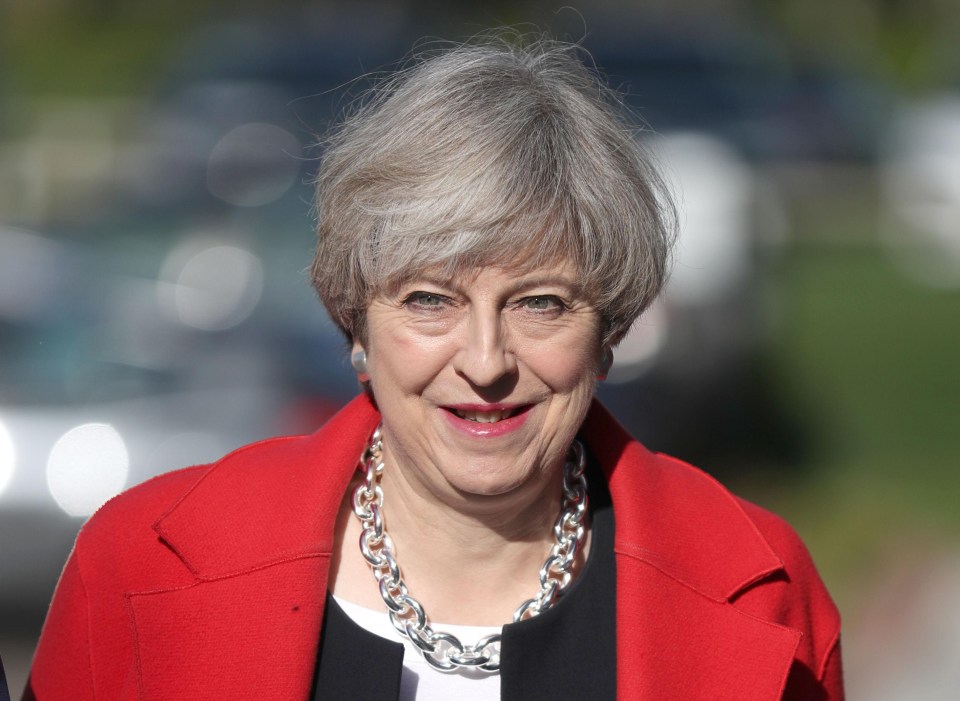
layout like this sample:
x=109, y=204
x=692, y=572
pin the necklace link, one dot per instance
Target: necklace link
x=442, y=650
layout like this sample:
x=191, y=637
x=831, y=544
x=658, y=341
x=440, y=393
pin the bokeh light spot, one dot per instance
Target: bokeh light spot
x=87, y=466
x=7, y=458
x=213, y=288
x=641, y=346
x=253, y=165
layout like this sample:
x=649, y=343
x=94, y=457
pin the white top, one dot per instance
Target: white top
x=420, y=681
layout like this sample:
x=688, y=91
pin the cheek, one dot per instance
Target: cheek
x=564, y=370
x=568, y=360
x=404, y=361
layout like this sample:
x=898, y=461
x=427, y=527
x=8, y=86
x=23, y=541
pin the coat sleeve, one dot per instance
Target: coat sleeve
x=62, y=667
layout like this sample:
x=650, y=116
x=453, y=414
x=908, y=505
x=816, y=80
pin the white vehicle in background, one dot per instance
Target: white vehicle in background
x=685, y=376
x=724, y=210
x=920, y=172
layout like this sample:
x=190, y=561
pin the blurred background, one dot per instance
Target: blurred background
x=155, y=161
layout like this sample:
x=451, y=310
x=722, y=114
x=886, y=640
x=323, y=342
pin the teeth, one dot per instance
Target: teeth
x=484, y=417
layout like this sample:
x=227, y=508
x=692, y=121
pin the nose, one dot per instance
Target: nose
x=485, y=356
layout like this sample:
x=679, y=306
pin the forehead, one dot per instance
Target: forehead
x=520, y=274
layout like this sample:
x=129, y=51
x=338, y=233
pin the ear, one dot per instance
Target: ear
x=358, y=359
x=606, y=362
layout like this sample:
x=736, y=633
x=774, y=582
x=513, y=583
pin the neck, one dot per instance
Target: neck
x=470, y=559
x=522, y=514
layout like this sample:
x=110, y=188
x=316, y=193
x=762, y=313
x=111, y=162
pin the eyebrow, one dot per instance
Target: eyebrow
x=521, y=282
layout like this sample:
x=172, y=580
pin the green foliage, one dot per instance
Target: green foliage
x=910, y=44
x=96, y=48
x=871, y=359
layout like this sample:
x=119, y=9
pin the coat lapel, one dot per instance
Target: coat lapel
x=249, y=625
x=678, y=634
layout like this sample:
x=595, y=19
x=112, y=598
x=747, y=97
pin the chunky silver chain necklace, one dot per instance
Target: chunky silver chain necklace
x=443, y=650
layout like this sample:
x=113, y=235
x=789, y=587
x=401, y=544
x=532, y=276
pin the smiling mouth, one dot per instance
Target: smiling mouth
x=486, y=417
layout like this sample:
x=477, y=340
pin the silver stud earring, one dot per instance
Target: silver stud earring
x=359, y=361
x=606, y=362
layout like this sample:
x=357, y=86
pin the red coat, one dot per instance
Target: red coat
x=209, y=582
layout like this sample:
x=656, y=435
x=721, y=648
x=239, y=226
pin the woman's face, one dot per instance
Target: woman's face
x=484, y=380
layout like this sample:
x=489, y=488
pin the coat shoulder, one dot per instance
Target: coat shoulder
x=266, y=500
x=717, y=506
x=121, y=540
x=797, y=597
x=144, y=503
x=782, y=537
x=799, y=571
x=792, y=595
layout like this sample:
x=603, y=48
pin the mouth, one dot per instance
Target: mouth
x=487, y=415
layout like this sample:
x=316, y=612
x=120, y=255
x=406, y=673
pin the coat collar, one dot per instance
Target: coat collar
x=661, y=507
x=685, y=548
x=677, y=634
x=226, y=524
x=252, y=619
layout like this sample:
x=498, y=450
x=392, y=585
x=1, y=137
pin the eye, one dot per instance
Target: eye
x=542, y=303
x=424, y=300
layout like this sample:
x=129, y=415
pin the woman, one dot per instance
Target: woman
x=488, y=231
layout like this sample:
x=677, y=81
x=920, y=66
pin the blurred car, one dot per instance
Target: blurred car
x=744, y=88
x=728, y=111
x=177, y=324
x=111, y=375
x=238, y=114
x=687, y=378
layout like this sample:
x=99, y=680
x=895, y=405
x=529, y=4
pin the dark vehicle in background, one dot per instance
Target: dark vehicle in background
x=727, y=112
x=237, y=119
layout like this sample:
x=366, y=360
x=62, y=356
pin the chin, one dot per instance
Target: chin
x=487, y=482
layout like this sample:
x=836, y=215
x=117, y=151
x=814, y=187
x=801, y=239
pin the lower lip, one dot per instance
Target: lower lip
x=478, y=429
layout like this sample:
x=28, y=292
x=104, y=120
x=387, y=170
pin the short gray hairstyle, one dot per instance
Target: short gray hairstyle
x=491, y=153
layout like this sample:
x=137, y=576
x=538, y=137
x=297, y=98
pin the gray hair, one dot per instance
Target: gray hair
x=487, y=154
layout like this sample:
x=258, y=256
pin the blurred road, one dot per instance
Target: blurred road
x=17, y=651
